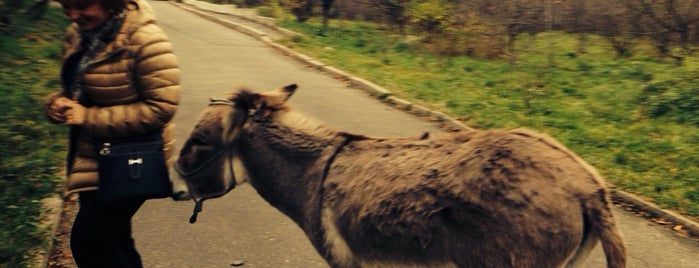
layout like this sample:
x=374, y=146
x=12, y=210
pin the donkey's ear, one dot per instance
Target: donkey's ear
x=276, y=98
x=289, y=90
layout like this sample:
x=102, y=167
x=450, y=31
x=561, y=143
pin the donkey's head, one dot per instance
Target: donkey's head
x=208, y=163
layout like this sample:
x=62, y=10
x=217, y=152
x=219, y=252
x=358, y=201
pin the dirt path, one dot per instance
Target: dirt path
x=60, y=255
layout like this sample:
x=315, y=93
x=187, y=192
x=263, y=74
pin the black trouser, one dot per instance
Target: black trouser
x=101, y=235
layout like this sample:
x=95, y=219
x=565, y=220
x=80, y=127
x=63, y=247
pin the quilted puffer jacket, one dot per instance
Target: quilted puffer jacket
x=133, y=88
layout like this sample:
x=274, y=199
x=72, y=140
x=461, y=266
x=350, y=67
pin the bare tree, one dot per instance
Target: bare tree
x=669, y=23
x=574, y=19
x=355, y=9
x=393, y=12
x=514, y=17
x=326, y=6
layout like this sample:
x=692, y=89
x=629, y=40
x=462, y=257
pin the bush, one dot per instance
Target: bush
x=273, y=10
x=430, y=16
x=478, y=44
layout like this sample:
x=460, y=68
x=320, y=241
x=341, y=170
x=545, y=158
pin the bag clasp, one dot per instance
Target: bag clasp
x=137, y=161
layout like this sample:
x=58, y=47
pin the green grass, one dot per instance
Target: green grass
x=635, y=119
x=31, y=149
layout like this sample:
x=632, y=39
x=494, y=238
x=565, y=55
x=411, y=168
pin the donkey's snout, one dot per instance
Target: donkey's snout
x=180, y=192
x=181, y=196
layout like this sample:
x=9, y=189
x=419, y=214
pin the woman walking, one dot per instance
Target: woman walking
x=120, y=80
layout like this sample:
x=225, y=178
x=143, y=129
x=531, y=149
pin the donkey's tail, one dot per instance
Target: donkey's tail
x=599, y=226
x=610, y=237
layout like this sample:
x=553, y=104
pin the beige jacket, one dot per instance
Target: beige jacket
x=134, y=86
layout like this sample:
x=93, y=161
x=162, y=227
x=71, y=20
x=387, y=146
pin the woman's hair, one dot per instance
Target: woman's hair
x=111, y=6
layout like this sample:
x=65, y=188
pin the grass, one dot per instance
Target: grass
x=30, y=147
x=635, y=119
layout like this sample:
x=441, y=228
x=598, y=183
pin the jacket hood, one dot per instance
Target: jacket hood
x=139, y=13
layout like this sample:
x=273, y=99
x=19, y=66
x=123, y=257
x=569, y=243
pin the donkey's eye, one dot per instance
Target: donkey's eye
x=197, y=142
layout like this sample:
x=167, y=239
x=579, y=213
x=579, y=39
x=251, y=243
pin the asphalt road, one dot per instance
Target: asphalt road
x=241, y=227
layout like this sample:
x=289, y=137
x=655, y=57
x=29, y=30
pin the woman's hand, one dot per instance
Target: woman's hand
x=67, y=111
x=75, y=113
x=57, y=109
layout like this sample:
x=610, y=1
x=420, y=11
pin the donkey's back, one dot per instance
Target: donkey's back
x=477, y=199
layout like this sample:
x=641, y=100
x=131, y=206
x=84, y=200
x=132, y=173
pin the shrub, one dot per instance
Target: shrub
x=273, y=10
x=430, y=16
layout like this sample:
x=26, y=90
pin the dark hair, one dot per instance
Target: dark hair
x=111, y=6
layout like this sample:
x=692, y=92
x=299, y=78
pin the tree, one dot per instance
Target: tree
x=513, y=18
x=394, y=12
x=326, y=6
x=668, y=23
x=578, y=24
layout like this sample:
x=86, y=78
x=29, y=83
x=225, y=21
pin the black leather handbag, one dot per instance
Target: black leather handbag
x=133, y=169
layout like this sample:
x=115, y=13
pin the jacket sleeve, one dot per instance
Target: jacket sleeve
x=69, y=40
x=155, y=74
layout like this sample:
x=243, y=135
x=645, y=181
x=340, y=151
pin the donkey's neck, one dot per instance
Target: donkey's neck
x=285, y=159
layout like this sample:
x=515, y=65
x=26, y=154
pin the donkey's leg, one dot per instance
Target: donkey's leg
x=334, y=247
x=587, y=244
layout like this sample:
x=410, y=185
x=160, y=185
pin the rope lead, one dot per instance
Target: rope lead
x=198, y=206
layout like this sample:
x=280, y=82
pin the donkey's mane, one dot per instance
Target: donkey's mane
x=300, y=122
x=295, y=134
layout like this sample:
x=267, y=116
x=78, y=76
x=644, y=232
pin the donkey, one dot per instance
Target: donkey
x=490, y=198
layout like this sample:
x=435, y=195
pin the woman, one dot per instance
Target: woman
x=120, y=80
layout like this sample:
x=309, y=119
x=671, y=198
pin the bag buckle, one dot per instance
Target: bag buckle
x=137, y=161
x=136, y=166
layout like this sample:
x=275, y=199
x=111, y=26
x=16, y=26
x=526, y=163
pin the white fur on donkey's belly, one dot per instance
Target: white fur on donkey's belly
x=341, y=252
